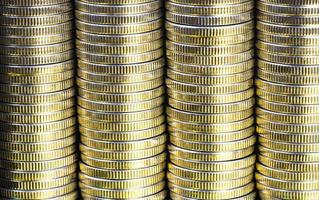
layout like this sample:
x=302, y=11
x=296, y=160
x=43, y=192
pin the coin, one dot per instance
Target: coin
x=121, y=96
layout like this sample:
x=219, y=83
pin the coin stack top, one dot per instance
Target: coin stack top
x=120, y=104
x=209, y=80
x=287, y=89
x=37, y=113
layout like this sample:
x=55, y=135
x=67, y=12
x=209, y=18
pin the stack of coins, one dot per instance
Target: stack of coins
x=37, y=109
x=120, y=104
x=288, y=99
x=210, y=77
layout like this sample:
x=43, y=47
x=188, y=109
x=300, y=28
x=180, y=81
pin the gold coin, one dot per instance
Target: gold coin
x=288, y=137
x=293, y=2
x=115, y=2
x=287, y=128
x=136, y=68
x=110, y=78
x=287, y=19
x=289, y=194
x=33, y=31
x=210, y=59
x=209, y=185
x=123, y=194
x=211, y=128
x=283, y=78
x=32, y=2
x=38, y=117
x=286, y=175
x=123, y=136
x=120, y=39
x=250, y=196
x=36, y=50
x=184, y=8
x=38, y=184
x=292, y=9
x=219, y=166
x=287, y=89
x=119, y=88
x=37, y=108
x=207, y=137
x=289, y=156
x=209, y=80
x=218, y=40
x=122, y=174
x=49, y=97
x=37, y=70
x=119, y=29
x=120, y=59
x=287, y=118
x=209, y=31
x=11, y=20
x=208, y=118
x=287, y=185
x=121, y=107
x=289, y=59
x=39, y=194
x=12, y=9
x=301, y=99
x=121, y=155
x=121, y=184
x=122, y=98
x=210, y=156
x=119, y=49
x=37, y=166
x=26, y=176
x=287, y=49
x=285, y=69
x=132, y=8
x=37, y=137
x=213, y=147
x=289, y=147
x=210, y=98
x=124, y=165
x=109, y=19
x=288, y=40
x=289, y=166
x=288, y=108
x=121, y=117
x=36, y=79
x=209, y=176
x=158, y=196
x=38, y=147
x=36, y=40
x=210, y=108
x=124, y=146
x=214, y=194
x=38, y=156
x=36, y=59
x=209, y=89
x=278, y=29
x=209, y=20
x=211, y=70
x=207, y=2
x=208, y=50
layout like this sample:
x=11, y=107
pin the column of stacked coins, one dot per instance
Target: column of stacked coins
x=120, y=104
x=210, y=77
x=37, y=109
x=288, y=99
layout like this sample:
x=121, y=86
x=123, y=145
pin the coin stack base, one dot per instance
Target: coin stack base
x=121, y=95
x=210, y=106
x=37, y=109
x=287, y=89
